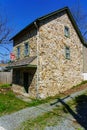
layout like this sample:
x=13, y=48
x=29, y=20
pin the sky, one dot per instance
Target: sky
x=20, y=13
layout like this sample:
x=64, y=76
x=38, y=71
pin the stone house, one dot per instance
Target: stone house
x=50, y=56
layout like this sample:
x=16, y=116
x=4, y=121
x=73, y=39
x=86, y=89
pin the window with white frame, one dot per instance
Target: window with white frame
x=26, y=49
x=18, y=52
x=67, y=52
x=66, y=31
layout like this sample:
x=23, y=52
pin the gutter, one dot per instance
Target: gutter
x=35, y=23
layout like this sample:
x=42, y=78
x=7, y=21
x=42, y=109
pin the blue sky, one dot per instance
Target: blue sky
x=22, y=12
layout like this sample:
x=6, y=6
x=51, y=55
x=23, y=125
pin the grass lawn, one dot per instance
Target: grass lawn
x=8, y=102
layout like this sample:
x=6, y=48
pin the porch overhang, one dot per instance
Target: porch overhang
x=22, y=66
x=23, y=63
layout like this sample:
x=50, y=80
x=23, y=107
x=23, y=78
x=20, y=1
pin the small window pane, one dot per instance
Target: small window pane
x=18, y=52
x=26, y=49
x=67, y=52
x=66, y=31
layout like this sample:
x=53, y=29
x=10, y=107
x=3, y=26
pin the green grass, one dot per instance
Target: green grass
x=9, y=103
x=51, y=118
x=83, y=82
x=48, y=119
x=80, y=129
x=36, y=102
x=5, y=85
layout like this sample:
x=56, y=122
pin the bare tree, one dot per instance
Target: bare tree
x=81, y=18
x=5, y=32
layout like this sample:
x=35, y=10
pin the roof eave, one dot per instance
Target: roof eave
x=37, y=20
x=31, y=24
x=23, y=66
x=53, y=13
x=75, y=26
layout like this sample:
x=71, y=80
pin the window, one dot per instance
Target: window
x=26, y=50
x=67, y=52
x=66, y=31
x=18, y=52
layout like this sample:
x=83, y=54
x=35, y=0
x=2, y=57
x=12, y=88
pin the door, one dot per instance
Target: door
x=26, y=81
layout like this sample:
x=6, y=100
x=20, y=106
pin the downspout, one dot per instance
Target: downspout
x=37, y=96
x=83, y=58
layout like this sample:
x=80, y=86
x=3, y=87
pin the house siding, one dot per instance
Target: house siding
x=56, y=73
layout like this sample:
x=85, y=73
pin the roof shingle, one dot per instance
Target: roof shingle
x=22, y=62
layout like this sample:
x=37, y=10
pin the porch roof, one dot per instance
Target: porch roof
x=22, y=63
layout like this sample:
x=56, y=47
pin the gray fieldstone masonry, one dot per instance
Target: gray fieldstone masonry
x=54, y=73
x=30, y=38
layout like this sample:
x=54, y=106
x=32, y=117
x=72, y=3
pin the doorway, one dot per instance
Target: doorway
x=26, y=81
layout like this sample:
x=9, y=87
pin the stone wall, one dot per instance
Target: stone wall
x=18, y=86
x=56, y=73
x=30, y=37
x=85, y=59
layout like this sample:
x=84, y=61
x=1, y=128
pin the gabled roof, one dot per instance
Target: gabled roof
x=38, y=20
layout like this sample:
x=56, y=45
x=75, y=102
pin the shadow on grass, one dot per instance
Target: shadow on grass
x=81, y=109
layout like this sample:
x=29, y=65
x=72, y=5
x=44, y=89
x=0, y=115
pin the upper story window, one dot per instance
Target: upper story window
x=67, y=52
x=26, y=49
x=18, y=52
x=66, y=31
